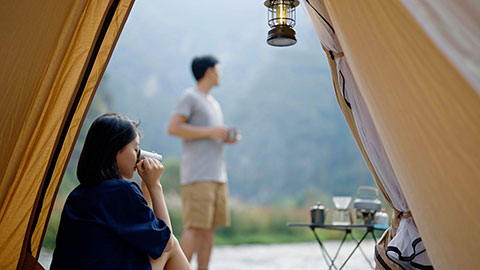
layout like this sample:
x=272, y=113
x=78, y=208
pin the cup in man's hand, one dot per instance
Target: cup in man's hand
x=234, y=134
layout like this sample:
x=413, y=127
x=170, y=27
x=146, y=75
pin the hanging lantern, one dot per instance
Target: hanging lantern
x=281, y=19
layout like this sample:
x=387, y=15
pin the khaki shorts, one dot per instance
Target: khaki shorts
x=205, y=204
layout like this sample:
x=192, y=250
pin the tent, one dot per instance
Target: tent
x=53, y=56
x=406, y=76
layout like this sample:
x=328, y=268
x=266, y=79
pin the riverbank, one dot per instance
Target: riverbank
x=304, y=256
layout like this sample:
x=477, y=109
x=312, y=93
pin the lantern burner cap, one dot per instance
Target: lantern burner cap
x=294, y=3
x=281, y=36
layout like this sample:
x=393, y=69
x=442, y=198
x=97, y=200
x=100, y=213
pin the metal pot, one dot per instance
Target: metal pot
x=317, y=213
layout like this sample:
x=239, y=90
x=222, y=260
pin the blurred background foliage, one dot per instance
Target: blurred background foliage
x=296, y=148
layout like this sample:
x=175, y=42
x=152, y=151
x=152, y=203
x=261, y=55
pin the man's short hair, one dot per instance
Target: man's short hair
x=200, y=64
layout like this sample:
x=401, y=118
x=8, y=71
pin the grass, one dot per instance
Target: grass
x=249, y=224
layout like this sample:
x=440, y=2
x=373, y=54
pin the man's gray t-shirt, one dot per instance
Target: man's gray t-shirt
x=202, y=159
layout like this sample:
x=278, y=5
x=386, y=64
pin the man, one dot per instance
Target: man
x=198, y=120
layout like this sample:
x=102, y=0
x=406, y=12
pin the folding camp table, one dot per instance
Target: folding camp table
x=369, y=229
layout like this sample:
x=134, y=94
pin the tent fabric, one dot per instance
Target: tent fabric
x=370, y=144
x=317, y=14
x=97, y=71
x=454, y=26
x=426, y=115
x=50, y=70
x=408, y=254
x=401, y=242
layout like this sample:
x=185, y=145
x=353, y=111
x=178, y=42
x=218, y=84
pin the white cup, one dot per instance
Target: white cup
x=145, y=154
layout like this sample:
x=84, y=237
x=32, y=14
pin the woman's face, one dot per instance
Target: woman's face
x=127, y=158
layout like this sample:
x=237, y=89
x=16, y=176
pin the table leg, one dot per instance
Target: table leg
x=353, y=251
x=374, y=238
x=325, y=254
x=347, y=232
x=361, y=250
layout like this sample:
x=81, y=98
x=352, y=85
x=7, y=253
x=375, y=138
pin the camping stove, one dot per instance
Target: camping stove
x=366, y=207
x=365, y=216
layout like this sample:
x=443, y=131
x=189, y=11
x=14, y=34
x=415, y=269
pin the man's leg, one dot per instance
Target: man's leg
x=198, y=203
x=187, y=242
x=204, y=239
x=200, y=241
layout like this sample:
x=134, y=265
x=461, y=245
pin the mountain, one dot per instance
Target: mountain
x=295, y=139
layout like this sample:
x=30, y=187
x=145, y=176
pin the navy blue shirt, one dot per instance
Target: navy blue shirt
x=108, y=226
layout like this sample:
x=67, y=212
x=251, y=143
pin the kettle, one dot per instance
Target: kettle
x=363, y=202
x=317, y=213
x=366, y=205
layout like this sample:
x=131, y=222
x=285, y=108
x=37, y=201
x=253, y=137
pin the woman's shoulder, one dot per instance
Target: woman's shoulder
x=126, y=189
x=110, y=187
x=113, y=193
x=117, y=182
x=120, y=185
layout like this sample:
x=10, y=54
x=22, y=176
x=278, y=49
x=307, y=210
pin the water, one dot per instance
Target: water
x=305, y=256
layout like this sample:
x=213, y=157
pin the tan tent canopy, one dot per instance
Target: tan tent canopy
x=53, y=56
x=406, y=77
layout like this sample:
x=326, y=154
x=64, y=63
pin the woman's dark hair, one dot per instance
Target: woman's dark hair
x=201, y=64
x=108, y=134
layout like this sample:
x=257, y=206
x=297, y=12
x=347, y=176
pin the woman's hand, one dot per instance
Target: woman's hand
x=150, y=171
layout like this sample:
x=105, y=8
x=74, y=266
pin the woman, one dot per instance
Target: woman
x=106, y=222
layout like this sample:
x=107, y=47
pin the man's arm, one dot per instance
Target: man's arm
x=179, y=127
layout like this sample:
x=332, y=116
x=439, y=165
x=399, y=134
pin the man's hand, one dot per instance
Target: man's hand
x=230, y=141
x=150, y=171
